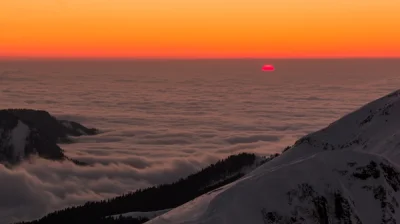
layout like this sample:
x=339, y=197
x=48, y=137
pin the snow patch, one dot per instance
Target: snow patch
x=148, y=215
x=194, y=210
x=67, y=124
x=18, y=139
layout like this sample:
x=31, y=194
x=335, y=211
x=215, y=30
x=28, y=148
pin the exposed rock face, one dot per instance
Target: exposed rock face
x=377, y=181
x=29, y=132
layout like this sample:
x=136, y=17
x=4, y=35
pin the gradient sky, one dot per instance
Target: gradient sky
x=199, y=28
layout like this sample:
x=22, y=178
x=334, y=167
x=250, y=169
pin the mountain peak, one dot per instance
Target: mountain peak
x=339, y=174
x=25, y=132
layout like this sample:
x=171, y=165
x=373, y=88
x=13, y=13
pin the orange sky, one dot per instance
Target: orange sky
x=199, y=28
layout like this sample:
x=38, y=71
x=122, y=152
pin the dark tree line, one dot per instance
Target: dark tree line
x=155, y=198
x=104, y=220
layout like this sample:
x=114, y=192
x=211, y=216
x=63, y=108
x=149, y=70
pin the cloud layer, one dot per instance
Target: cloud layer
x=164, y=121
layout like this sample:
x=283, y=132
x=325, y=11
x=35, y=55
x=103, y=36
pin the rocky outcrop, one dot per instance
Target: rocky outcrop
x=24, y=133
x=19, y=140
x=56, y=130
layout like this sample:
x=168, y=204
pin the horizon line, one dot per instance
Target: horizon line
x=18, y=58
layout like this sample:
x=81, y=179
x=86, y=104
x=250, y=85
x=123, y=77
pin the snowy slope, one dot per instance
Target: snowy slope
x=346, y=185
x=373, y=128
x=148, y=215
x=336, y=175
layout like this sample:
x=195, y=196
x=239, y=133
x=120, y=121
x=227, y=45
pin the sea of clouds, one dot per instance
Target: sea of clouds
x=161, y=121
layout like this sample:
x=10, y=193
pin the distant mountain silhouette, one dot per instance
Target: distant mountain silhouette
x=55, y=130
x=25, y=132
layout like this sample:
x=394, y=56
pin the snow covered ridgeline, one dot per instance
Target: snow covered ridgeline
x=347, y=187
x=28, y=132
x=339, y=174
x=373, y=128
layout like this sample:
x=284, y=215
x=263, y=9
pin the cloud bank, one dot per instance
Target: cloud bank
x=164, y=120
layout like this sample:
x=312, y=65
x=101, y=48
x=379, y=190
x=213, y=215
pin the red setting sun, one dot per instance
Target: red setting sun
x=268, y=68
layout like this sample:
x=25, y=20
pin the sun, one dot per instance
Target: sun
x=268, y=68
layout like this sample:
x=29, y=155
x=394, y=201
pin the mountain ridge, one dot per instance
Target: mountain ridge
x=344, y=173
x=25, y=132
x=339, y=174
x=55, y=130
x=159, y=197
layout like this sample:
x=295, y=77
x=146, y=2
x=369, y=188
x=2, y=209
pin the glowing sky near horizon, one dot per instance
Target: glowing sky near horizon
x=199, y=28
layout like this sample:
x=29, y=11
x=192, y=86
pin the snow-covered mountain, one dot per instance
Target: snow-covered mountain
x=344, y=173
x=29, y=132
